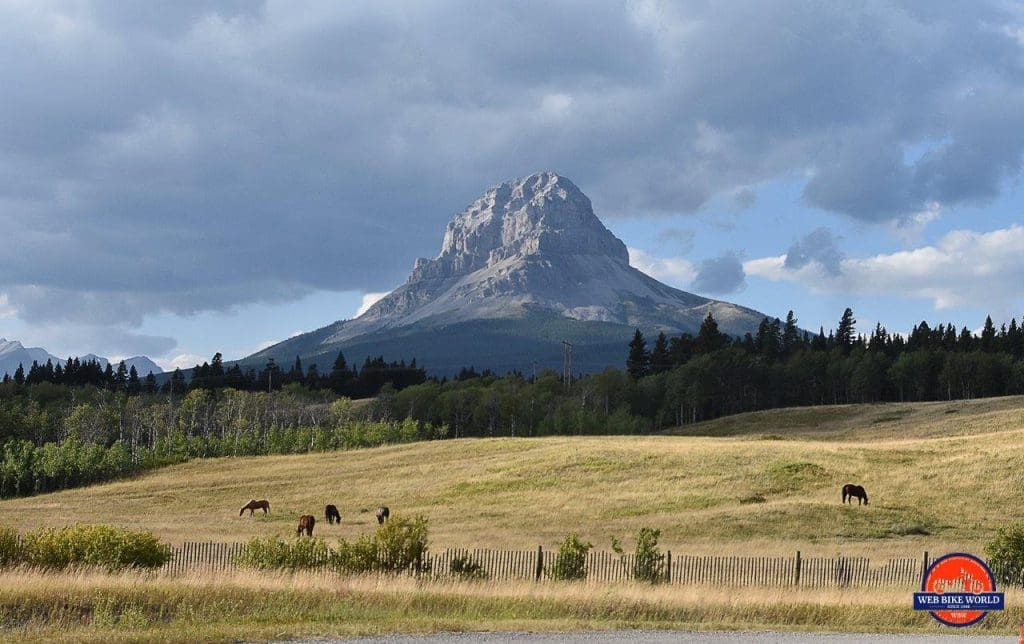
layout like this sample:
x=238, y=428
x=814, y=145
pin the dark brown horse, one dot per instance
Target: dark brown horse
x=254, y=505
x=383, y=513
x=306, y=523
x=332, y=514
x=850, y=491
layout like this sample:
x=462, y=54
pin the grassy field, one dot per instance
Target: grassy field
x=94, y=607
x=941, y=476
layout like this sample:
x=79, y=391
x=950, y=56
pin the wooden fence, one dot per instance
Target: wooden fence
x=539, y=564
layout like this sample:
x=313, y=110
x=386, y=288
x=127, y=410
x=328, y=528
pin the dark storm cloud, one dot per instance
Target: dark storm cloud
x=720, y=275
x=817, y=246
x=195, y=155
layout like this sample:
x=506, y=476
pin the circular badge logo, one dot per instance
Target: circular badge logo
x=958, y=589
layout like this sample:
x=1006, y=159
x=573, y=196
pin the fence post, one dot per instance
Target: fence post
x=668, y=566
x=540, y=562
x=797, y=582
x=924, y=567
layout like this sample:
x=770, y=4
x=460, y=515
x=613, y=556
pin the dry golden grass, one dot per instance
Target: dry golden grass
x=938, y=481
x=90, y=606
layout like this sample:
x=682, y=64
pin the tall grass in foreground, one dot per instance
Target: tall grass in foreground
x=94, y=606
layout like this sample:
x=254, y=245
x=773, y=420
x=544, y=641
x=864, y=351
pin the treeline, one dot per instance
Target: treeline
x=341, y=379
x=54, y=436
x=690, y=378
x=57, y=435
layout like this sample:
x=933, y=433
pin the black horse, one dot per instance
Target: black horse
x=850, y=490
x=332, y=514
x=383, y=513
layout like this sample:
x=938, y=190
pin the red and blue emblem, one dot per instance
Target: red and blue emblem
x=958, y=589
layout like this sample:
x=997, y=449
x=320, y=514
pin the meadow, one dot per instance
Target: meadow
x=96, y=607
x=941, y=476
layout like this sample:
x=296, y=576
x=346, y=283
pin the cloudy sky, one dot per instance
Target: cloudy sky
x=184, y=177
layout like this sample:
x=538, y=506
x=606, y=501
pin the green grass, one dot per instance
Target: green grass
x=95, y=607
x=937, y=481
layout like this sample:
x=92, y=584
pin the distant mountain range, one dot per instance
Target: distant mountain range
x=13, y=353
x=522, y=269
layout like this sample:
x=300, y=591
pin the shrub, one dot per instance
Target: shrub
x=93, y=545
x=467, y=568
x=276, y=553
x=356, y=556
x=401, y=543
x=572, y=559
x=396, y=546
x=648, y=563
x=1006, y=554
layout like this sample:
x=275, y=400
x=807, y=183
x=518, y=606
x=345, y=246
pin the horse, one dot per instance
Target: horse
x=306, y=523
x=332, y=514
x=383, y=513
x=254, y=505
x=850, y=490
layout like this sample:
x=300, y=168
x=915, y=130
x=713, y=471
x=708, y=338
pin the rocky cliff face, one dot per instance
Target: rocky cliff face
x=535, y=245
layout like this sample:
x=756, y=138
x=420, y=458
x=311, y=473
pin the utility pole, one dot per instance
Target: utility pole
x=567, y=364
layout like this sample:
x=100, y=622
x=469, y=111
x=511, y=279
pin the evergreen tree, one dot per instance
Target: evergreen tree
x=639, y=361
x=845, y=334
x=790, y=335
x=660, y=359
x=988, y=335
x=120, y=380
x=19, y=374
x=149, y=386
x=709, y=338
x=340, y=374
x=133, y=385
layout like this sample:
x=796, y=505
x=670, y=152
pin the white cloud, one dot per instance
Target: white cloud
x=674, y=271
x=964, y=268
x=369, y=299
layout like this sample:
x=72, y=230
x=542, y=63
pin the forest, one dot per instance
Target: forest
x=63, y=426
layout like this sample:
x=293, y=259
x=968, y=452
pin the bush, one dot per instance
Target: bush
x=401, y=543
x=275, y=553
x=357, y=556
x=572, y=559
x=93, y=545
x=648, y=564
x=396, y=546
x=1005, y=554
x=466, y=568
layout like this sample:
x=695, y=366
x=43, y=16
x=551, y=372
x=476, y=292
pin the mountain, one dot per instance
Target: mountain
x=12, y=353
x=521, y=269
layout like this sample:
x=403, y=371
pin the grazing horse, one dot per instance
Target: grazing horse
x=850, y=490
x=383, y=513
x=254, y=505
x=332, y=514
x=306, y=523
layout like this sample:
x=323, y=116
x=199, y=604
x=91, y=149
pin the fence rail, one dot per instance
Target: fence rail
x=539, y=564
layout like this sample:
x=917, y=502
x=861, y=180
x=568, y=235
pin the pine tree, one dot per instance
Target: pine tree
x=19, y=374
x=790, y=335
x=149, y=386
x=709, y=338
x=133, y=385
x=639, y=361
x=660, y=359
x=988, y=335
x=847, y=330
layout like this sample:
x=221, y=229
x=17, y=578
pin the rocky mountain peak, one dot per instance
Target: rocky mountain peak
x=542, y=214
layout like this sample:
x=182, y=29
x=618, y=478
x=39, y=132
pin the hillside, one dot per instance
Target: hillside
x=771, y=485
